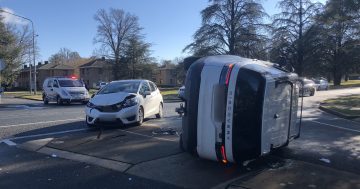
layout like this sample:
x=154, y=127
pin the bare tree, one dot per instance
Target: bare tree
x=230, y=27
x=64, y=55
x=115, y=29
x=291, y=24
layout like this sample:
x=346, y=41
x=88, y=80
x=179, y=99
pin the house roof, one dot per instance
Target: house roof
x=53, y=66
x=97, y=63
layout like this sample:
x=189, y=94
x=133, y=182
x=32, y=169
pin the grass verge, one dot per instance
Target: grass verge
x=346, y=84
x=347, y=105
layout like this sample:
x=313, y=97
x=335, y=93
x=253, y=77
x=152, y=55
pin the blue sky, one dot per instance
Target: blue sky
x=168, y=24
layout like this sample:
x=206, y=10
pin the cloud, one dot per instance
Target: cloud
x=11, y=19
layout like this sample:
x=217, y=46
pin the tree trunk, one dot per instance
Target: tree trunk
x=116, y=70
x=337, y=78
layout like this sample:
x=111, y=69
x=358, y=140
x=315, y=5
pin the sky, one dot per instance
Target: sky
x=168, y=25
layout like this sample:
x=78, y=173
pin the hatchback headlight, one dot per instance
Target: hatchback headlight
x=129, y=102
x=90, y=105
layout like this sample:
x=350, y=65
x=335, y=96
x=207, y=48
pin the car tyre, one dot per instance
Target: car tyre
x=45, y=100
x=312, y=93
x=140, y=116
x=89, y=124
x=160, y=114
x=59, y=100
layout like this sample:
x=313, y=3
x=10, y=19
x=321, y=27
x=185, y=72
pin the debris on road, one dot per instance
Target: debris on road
x=130, y=179
x=165, y=131
x=53, y=155
x=325, y=160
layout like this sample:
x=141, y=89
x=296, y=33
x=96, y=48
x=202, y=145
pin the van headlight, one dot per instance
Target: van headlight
x=128, y=103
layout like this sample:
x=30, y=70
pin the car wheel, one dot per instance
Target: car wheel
x=45, y=100
x=312, y=93
x=84, y=102
x=59, y=100
x=160, y=114
x=89, y=124
x=140, y=116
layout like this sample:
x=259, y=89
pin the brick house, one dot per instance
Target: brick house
x=166, y=76
x=96, y=70
x=48, y=70
x=23, y=80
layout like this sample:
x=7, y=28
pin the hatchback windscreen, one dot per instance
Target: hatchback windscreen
x=127, y=87
x=70, y=83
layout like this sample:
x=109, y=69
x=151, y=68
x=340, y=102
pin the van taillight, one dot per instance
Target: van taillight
x=230, y=67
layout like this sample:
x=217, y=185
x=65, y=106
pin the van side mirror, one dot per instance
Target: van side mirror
x=147, y=93
x=56, y=85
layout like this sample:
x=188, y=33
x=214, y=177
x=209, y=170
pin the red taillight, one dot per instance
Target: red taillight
x=223, y=154
x=73, y=77
x=228, y=74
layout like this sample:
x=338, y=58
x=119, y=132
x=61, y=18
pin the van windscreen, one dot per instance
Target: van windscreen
x=70, y=83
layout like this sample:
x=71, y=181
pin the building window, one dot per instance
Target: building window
x=100, y=71
x=171, y=81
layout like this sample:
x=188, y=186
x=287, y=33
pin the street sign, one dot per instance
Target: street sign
x=2, y=65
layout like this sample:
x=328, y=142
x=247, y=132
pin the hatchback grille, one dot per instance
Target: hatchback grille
x=111, y=108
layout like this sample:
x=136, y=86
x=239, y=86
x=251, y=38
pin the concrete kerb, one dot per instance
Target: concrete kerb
x=325, y=109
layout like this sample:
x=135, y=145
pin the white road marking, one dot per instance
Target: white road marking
x=347, y=129
x=42, y=122
x=8, y=142
x=47, y=134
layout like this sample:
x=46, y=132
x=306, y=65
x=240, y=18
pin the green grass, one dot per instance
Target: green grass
x=348, y=105
x=169, y=92
x=346, y=84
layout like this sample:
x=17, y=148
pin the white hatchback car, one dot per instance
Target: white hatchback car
x=125, y=101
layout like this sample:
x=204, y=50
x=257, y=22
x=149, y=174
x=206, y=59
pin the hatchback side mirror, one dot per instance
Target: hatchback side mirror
x=144, y=94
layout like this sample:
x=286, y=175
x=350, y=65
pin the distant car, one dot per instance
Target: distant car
x=64, y=89
x=181, y=92
x=100, y=85
x=308, y=89
x=321, y=84
x=125, y=101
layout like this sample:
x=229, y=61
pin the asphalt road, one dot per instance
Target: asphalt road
x=325, y=140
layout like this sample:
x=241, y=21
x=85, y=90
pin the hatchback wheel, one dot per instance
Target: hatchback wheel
x=160, y=114
x=140, y=116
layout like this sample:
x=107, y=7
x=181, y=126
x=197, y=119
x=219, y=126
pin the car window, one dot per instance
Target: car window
x=115, y=87
x=50, y=83
x=144, y=87
x=152, y=86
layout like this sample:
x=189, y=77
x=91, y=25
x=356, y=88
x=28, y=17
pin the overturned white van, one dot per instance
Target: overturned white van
x=238, y=109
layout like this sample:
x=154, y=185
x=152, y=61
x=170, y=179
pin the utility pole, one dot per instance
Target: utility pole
x=33, y=44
